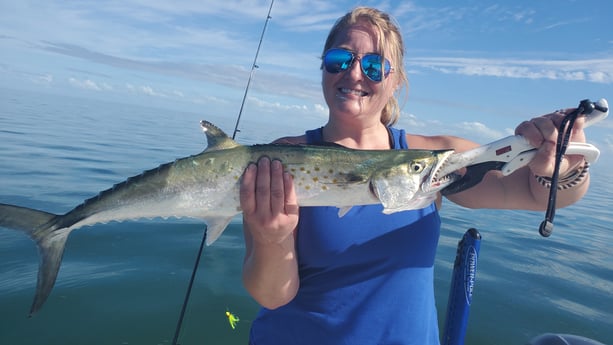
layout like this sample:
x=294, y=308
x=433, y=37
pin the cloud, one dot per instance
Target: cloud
x=88, y=84
x=608, y=143
x=145, y=90
x=42, y=79
x=269, y=80
x=316, y=110
x=478, y=129
x=474, y=130
x=591, y=70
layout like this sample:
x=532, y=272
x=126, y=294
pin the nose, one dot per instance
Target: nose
x=355, y=71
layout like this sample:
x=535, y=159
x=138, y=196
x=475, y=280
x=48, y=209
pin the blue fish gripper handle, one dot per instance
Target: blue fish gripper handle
x=461, y=290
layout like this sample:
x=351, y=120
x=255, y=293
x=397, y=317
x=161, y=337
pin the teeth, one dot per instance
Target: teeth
x=353, y=92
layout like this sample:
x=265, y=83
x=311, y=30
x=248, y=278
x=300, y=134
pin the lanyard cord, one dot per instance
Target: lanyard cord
x=565, y=130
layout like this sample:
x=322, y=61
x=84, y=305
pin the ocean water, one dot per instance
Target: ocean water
x=124, y=283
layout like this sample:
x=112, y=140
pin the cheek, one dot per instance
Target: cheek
x=327, y=82
x=389, y=88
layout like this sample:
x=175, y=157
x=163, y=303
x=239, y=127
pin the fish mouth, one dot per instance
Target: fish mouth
x=437, y=179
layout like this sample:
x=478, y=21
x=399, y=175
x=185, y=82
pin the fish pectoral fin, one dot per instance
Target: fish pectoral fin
x=215, y=227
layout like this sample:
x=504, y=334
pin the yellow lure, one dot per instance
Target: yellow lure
x=232, y=319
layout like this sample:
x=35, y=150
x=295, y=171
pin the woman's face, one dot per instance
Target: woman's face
x=350, y=93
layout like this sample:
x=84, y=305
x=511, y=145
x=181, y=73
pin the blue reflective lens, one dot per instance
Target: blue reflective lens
x=339, y=60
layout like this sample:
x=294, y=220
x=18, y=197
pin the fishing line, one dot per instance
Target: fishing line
x=189, y=289
x=564, y=132
x=253, y=68
x=199, y=256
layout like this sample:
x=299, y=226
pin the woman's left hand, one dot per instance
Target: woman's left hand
x=542, y=133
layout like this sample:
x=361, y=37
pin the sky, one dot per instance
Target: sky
x=476, y=68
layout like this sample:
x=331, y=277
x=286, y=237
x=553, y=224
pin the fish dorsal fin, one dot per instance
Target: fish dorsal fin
x=216, y=138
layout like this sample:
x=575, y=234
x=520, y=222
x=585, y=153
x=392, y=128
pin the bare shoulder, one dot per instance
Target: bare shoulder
x=439, y=142
x=297, y=140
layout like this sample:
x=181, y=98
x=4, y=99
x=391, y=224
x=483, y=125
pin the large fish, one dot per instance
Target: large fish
x=206, y=186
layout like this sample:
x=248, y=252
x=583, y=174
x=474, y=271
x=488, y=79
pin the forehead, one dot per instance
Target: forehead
x=359, y=35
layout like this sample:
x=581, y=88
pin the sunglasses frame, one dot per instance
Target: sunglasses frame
x=338, y=66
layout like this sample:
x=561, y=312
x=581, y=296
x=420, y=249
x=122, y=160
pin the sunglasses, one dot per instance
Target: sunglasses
x=338, y=60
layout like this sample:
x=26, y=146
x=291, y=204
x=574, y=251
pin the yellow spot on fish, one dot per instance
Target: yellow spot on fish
x=315, y=179
x=232, y=319
x=316, y=168
x=307, y=187
x=301, y=168
x=324, y=187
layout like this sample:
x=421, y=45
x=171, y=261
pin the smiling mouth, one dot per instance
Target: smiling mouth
x=346, y=91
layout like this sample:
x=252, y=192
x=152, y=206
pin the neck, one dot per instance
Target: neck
x=358, y=136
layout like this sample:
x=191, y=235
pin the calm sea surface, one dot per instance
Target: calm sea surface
x=124, y=283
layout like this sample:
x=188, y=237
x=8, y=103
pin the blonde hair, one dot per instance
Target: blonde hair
x=388, y=38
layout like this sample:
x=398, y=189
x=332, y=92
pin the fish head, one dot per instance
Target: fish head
x=412, y=183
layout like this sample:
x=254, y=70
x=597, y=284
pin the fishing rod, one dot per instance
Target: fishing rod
x=253, y=68
x=199, y=255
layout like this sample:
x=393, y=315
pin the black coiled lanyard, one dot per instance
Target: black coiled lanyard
x=585, y=107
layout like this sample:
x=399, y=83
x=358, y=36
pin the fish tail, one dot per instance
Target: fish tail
x=50, y=239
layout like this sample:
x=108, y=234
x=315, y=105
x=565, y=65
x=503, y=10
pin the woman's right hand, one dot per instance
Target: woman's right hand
x=268, y=201
x=270, y=217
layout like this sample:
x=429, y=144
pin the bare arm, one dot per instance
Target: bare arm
x=521, y=190
x=270, y=218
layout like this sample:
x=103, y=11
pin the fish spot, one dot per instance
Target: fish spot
x=316, y=169
x=315, y=179
x=307, y=187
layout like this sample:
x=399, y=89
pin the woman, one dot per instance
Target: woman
x=367, y=278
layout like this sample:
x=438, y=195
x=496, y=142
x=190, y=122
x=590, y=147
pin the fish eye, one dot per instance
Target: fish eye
x=417, y=167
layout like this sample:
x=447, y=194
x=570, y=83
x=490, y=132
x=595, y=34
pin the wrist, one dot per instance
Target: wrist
x=572, y=178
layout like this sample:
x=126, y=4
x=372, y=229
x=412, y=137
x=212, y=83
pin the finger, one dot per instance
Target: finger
x=291, y=200
x=247, y=189
x=262, y=188
x=530, y=132
x=547, y=128
x=277, y=193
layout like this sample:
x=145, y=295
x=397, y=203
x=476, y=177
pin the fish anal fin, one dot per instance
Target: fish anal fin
x=343, y=210
x=216, y=138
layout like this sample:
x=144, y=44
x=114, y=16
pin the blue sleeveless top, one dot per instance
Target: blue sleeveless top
x=365, y=278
